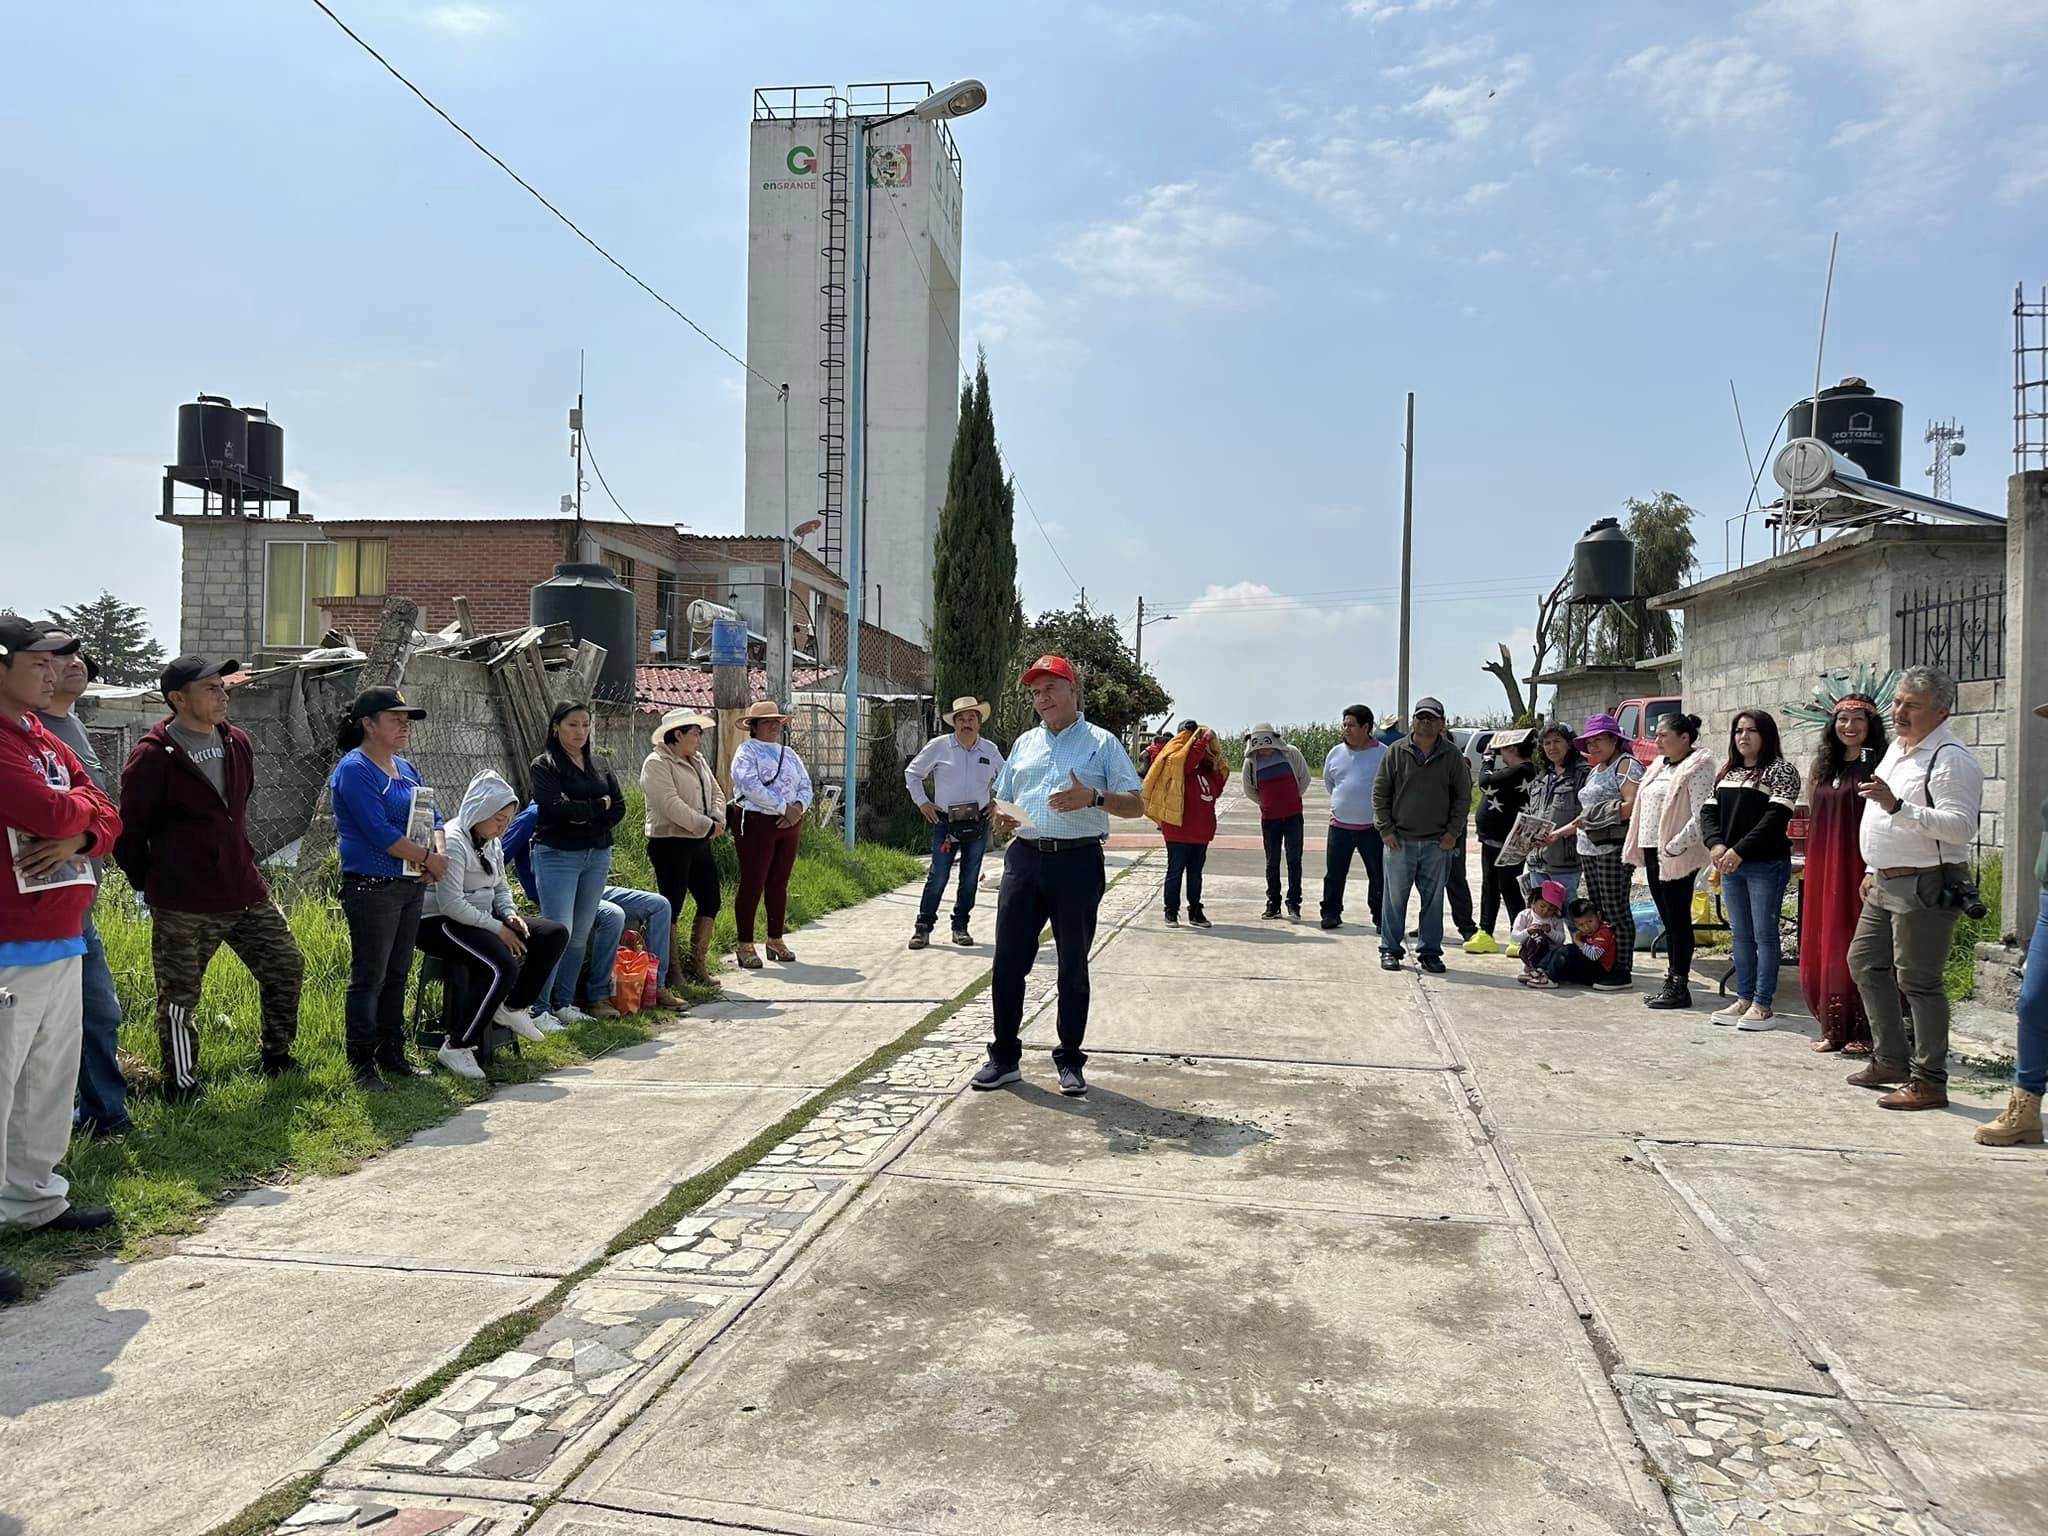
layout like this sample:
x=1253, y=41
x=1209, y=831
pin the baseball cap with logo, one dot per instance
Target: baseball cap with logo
x=184, y=671
x=1428, y=706
x=20, y=637
x=1049, y=666
x=375, y=701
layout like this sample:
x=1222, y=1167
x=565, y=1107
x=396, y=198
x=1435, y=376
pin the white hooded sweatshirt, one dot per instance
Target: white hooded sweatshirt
x=475, y=890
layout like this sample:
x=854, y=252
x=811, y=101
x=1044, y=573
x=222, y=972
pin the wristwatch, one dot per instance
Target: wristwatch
x=1098, y=799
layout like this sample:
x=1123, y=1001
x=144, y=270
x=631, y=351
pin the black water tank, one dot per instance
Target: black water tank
x=211, y=432
x=590, y=600
x=266, y=446
x=1604, y=564
x=1858, y=423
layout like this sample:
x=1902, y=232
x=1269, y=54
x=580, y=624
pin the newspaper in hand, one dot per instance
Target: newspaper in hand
x=419, y=826
x=76, y=870
x=1524, y=838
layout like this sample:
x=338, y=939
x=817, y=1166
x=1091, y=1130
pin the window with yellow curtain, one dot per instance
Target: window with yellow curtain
x=284, y=592
x=359, y=567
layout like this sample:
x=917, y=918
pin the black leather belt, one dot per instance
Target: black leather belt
x=1060, y=844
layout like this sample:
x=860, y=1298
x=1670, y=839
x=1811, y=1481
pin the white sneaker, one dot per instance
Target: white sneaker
x=572, y=1015
x=1757, y=1020
x=1732, y=1014
x=548, y=1024
x=520, y=1023
x=461, y=1061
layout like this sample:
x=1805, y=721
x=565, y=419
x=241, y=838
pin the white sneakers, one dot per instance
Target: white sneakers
x=520, y=1023
x=461, y=1061
x=1745, y=1016
x=572, y=1015
x=549, y=1024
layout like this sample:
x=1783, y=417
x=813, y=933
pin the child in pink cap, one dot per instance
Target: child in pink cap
x=1540, y=930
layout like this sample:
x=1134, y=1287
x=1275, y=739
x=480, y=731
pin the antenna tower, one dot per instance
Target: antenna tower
x=1947, y=438
x=2029, y=380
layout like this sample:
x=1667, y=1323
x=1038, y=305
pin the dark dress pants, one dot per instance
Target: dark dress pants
x=1063, y=888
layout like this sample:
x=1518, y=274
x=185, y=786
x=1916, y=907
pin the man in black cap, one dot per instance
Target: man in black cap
x=185, y=846
x=53, y=819
x=102, y=1091
x=1421, y=801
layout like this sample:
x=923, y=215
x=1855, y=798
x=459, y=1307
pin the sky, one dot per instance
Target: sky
x=1208, y=250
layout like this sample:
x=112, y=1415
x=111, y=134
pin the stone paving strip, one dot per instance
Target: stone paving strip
x=1771, y=1464
x=509, y=1433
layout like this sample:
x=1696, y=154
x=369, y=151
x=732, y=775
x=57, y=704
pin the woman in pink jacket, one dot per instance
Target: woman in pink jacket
x=1664, y=840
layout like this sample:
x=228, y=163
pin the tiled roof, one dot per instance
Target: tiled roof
x=662, y=688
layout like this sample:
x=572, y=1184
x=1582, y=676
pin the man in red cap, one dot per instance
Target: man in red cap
x=1067, y=778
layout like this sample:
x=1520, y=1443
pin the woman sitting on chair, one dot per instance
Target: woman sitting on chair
x=470, y=921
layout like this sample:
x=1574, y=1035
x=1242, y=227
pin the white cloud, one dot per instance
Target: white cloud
x=462, y=18
x=1432, y=60
x=1377, y=11
x=1945, y=54
x=1483, y=191
x=1716, y=82
x=2026, y=167
x=1010, y=317
x=1165, y=247
x=1468, y=110
x=1138, y=29
x=1235, y=655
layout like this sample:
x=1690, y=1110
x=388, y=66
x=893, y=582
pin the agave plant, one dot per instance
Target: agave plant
x=1834, y=686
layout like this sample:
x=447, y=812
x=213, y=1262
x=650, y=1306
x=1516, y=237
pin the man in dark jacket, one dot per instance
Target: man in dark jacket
x=1421, y=800
x=185, y=846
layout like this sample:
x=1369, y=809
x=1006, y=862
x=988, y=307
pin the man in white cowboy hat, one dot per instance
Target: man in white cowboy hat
x=962, y=765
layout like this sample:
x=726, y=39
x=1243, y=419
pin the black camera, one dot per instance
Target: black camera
x=1959, y=894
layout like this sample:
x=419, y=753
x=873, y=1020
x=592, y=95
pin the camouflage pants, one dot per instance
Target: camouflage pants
x=182, y=945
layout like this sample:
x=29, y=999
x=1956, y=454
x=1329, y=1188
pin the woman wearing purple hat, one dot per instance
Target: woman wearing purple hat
x=1606, y=801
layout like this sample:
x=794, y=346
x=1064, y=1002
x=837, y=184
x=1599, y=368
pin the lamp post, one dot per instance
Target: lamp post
x=1157, y=618
x=956, y=100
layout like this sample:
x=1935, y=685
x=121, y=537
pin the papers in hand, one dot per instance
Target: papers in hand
x=76, y=870
x=1015, y=812
x=1524, y=838
x=419, y=826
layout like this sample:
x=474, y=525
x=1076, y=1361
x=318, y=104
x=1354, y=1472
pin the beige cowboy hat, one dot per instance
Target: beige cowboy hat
x=767, y=709
x=676, y=719
x=962, y=705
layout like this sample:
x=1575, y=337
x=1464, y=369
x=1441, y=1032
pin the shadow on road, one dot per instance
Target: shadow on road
x=1131, y=1125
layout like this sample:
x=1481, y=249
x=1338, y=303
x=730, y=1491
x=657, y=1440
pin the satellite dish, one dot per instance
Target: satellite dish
x=805, y=530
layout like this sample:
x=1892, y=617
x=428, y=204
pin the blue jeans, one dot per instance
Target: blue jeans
x=1755, y=898
x=2031, y=1071
x=1534, y=882
x=949, y=846
x=1418, y=866
x=102, y=1091
x=571, y=882
x=619, y=905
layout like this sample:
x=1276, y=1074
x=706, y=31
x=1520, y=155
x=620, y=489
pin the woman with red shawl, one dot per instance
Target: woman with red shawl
x=1850, y=749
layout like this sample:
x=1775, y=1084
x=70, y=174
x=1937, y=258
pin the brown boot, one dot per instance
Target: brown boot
x=1878, y=1075
x=1916, y=1095
x=702, y=967
x=2020, y=1124
x=663, y=998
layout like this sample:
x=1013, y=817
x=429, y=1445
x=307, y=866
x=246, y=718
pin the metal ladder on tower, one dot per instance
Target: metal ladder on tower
x=838, y=230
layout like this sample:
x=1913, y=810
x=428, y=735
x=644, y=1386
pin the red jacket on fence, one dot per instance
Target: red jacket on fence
x=45, y=792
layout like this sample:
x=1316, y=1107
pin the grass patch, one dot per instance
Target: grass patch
x=247, y=1130
x=1959, y=973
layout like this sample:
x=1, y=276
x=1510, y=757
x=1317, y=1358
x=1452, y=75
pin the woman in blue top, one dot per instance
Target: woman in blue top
x=373, y=790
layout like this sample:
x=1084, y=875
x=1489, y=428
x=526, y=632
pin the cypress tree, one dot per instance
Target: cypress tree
x=975, y=608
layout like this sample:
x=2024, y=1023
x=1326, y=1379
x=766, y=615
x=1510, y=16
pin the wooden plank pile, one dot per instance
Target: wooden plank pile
x=527, y=671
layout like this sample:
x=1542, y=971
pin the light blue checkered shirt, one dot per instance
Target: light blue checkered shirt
x=1042, y=764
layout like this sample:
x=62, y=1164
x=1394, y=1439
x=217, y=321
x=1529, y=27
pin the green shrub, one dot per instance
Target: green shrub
x=1959, y=974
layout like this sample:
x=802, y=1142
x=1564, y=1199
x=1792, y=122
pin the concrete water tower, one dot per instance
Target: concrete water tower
x=800, y=232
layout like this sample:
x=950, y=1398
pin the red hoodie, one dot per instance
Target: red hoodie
x=1203, y=784
x=45, y=792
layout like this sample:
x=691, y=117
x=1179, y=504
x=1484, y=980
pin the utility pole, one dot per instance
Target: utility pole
x=576, y=453
x=1407, y=546
x=1139, y=648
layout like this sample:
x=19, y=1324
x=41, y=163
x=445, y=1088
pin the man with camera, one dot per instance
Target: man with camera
x=1916, y=833
x=962, y=766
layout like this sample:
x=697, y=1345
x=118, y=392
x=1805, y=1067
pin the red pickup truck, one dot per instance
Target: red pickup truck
x=1638, y=721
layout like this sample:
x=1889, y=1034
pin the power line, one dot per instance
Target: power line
x=599, y=471
x=910, y=246
x=633, y=276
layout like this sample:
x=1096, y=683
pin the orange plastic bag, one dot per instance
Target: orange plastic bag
x=633, y=978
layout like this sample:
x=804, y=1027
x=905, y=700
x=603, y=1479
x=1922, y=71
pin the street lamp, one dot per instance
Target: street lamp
x=956, y=100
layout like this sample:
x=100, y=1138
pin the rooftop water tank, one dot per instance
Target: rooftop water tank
x=266, y=446
x=212, y=433
x=1604, y=564
x=1858, y=423
x=591, y=601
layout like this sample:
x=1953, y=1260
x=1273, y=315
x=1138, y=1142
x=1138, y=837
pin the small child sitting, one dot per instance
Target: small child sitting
x=1591, y=954
x=1539, y=931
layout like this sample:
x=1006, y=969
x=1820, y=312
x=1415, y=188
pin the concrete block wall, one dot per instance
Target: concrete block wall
x=1762, y=636
x=220, y=610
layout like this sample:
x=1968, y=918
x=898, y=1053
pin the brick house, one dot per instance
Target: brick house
x=256, y=586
